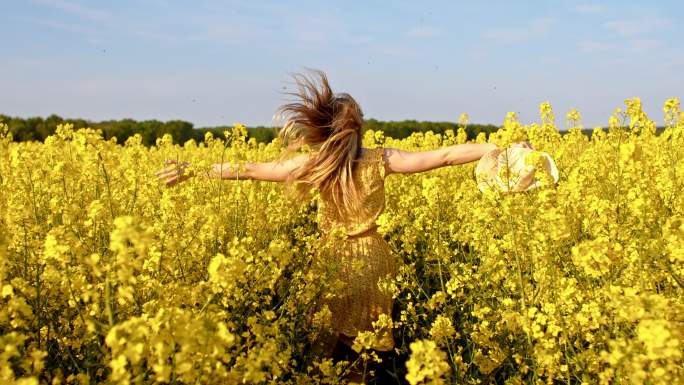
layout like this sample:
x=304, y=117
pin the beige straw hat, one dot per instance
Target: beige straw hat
x=515, y=168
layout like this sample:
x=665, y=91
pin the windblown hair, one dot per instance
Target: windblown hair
x=331, y=124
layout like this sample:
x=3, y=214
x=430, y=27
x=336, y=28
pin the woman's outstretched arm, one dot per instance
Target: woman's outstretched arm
x=404, y=162
x=276, y=171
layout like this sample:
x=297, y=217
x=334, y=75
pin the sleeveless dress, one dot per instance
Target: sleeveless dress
x=360, y=254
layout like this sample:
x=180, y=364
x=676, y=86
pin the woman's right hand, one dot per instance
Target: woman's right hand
x=174, y=174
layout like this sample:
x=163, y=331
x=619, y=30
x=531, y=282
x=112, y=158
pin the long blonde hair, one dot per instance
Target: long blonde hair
x=332, y=124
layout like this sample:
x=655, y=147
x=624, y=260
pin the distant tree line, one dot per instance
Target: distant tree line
x=405, y=128
x=38, y=128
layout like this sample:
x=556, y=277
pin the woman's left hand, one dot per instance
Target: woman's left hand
x=174, y=174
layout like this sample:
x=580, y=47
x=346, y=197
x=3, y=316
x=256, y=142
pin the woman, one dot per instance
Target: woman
x=351, y=184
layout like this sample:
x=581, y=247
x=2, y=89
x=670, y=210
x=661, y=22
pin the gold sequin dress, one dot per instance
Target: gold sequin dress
x=363, y=256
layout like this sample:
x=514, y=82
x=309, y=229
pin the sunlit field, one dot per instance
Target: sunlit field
x=108, y=276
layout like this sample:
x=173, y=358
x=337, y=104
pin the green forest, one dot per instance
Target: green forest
x=38, y=128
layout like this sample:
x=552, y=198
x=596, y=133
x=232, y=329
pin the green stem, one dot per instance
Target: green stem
x=109, y=190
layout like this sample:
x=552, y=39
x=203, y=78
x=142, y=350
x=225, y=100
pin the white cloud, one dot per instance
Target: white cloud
x=158, y=3
x=643, y=45
x=589, y=8
x=98, y=35
x=477, y=54
x=675, y=63
x=629, y=46
x=633, y=28
x=629, y=36
x=313, y=31
x=422, y=32
x=535, y=28
x=226, y=33
x=596, y=47
x=76, y=9
x=66, y=27
x=624, y=28
x=397, y=51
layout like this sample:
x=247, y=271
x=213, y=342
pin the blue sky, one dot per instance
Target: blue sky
x=220, y=62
